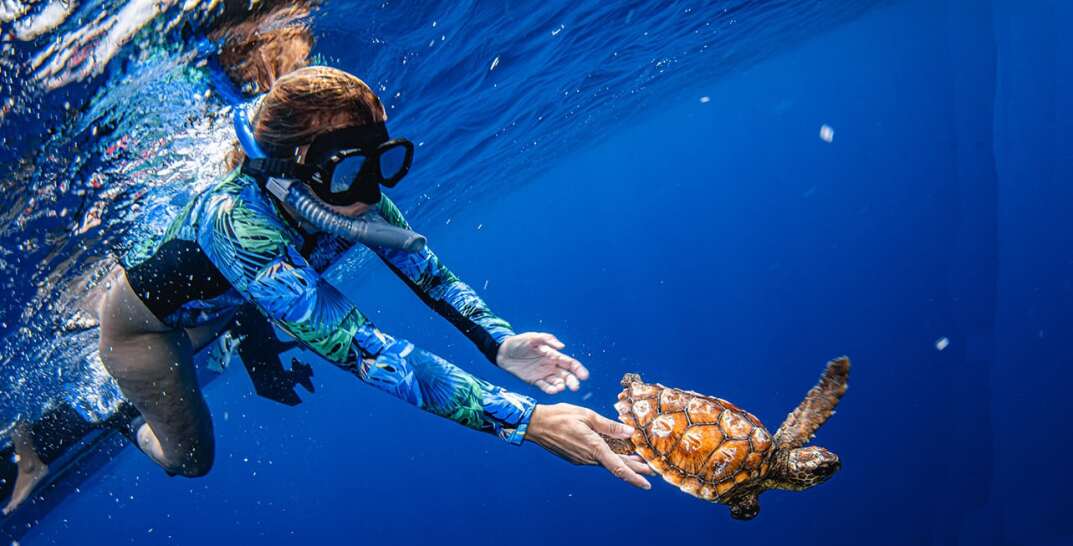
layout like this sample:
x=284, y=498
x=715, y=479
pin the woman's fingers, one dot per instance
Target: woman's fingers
x=618, y=467
x=638, y=464
x=614, y=429
x=571, y=381
x=573, y=366
x=548, y=388
x=553, y=341
x=565, y=362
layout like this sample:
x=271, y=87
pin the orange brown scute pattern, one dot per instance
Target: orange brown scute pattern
x=704, y=445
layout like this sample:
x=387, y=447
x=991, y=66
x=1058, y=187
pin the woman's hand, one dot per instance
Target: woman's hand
x=534, y=358
x=571, y=432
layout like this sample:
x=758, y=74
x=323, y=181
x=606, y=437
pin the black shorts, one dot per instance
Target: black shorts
x=178, y=273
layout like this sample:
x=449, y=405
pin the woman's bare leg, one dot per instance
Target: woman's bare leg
x=31, y=468
x=153, y=366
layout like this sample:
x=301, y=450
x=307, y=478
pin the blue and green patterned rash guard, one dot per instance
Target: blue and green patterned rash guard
x=233, y=243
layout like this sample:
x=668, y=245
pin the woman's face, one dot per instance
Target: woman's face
x=355, y=210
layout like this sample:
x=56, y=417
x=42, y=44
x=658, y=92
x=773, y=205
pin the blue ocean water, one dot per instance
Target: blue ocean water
x=649, y=183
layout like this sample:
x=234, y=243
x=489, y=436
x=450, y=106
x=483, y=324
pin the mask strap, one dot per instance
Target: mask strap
x=271, y=167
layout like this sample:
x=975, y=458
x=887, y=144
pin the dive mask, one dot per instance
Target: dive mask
x=345, y=166
x=351, y=164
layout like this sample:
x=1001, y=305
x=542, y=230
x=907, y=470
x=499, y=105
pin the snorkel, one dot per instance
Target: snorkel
x=369, y=229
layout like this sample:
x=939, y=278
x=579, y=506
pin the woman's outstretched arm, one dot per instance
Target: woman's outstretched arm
x=242, y=235
x=533, y=357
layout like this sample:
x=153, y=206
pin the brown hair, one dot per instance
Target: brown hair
x=311, y=101
x=269, y=52
x=261, y=46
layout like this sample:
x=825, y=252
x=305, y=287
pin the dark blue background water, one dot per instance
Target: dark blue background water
x=720, y=246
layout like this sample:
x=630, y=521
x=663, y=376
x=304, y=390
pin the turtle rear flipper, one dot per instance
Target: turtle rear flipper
x=818, y=405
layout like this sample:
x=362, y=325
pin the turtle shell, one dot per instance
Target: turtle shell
x=706, y=446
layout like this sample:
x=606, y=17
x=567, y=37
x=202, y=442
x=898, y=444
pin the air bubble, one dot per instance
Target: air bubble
x=827, y=134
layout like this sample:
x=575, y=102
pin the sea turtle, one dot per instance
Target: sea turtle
x=718, y=452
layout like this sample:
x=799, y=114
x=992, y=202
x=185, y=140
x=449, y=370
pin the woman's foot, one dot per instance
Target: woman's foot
x=31, y=471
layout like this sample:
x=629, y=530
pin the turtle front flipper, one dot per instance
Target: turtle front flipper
x=745, y=508
x=818, y=405
x=620, y=446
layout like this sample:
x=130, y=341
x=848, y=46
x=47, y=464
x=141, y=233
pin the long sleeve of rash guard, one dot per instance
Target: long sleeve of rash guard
x=443, y=291
x=242, y=234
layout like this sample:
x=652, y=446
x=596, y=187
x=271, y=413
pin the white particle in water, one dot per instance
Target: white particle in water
x=495, y=63
x=586, y=396
x=942, y=343
x=705, y=99
x=827, y=133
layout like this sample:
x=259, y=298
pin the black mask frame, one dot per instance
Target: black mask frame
x=330, y=150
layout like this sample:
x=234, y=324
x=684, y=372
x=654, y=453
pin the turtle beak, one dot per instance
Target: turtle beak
x=834, y=466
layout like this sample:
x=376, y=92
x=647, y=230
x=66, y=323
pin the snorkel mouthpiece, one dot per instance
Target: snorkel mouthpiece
x=369, y=228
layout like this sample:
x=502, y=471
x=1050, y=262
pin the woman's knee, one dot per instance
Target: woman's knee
x=194, y=469
x=194, y=462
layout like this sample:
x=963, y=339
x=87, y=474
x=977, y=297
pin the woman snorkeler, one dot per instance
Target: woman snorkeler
x=306, y=187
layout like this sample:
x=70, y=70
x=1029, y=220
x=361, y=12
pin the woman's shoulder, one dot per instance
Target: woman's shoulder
x=390, y=212
x=233, y=191
x=234, y=183
x=237, y=209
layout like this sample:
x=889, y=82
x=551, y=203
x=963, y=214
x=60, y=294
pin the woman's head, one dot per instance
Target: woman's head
x=311, y=101
x=265, y=53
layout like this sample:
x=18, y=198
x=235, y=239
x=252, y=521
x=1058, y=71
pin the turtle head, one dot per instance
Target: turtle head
x=630, y=379
x=801, y=468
